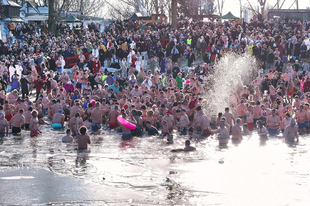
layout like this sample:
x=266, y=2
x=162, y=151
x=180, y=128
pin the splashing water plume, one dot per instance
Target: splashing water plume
x=231, y=73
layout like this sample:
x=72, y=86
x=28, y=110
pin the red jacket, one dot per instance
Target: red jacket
x=96, y=66
x=39, y=85
x=306, y=86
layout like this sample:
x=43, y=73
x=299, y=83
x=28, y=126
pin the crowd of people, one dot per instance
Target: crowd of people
x=150, y=89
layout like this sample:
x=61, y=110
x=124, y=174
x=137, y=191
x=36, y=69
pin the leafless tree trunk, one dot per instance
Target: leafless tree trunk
x=220, y=5
x=55, y=7
x=174, y=7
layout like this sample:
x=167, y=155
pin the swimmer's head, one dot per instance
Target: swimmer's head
x=187, y=143
x=59, y=111
x=238, y=120
x=190, y=130
x=83, y=130
x=293, y=122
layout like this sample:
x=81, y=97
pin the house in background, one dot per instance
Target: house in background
x=10, y=11
x=9, y=15
x=31, y=12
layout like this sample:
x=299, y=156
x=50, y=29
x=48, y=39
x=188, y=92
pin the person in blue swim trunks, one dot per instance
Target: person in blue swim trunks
x=58, y=120
x=302, y=119
x=273, y=123
x=291, y=132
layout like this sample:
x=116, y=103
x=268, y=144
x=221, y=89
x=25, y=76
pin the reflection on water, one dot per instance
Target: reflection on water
x=247, y=173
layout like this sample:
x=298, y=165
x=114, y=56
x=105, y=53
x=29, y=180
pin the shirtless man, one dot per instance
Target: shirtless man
x=273, y=123
x=236, y=131
x=187, y=147
x=8, y=110
x=229, y=117
x=137, y=102
x=223, y=135
x=257, y=110
x=113, y=114
x=126, y=132
x=21, y=105
x=291, y=132
x=58, y=118
x=12, y=97
x=82, y=138
x=105, y=109
x=76, y=109
x=241, y=109
x=4, y=129
x=55, y=108
x=296, y=102
x=75, y=123
x=301, y=117
x=96, y=116
x=27, y=116
x=17, y=121
x=184, y=122
x=136, y=92
x=34, y=124
x=45, y=105
x=170, y=120
x=204, y=124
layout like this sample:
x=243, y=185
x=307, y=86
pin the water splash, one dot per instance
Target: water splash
x=230, y=74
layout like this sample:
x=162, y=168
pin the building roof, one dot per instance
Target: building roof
x=10, y=3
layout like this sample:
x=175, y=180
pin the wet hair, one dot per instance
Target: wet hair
x=191, y=129
x=83, y=130
x=68, y=131
x=33, y=112
x=187, y=142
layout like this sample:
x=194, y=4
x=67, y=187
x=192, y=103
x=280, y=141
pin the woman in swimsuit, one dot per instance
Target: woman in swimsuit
x=133, y=80
x=87, y=89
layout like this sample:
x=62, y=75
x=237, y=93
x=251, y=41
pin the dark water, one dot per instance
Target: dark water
x=43, y=170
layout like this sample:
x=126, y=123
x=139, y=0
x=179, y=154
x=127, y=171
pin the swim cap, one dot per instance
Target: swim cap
x=59, y=111
x=293, y=121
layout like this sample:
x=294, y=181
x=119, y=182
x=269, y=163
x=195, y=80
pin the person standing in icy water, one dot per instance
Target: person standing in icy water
x=223, y=134
x=291, y=132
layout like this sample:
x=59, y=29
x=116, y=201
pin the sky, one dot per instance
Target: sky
x=234, y=5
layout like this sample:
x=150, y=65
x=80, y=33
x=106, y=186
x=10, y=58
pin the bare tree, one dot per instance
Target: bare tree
x=263, y=7
x=120, y=11
x=220, y=5
x=55, y=7
x=88, y=7
x=174, y=13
